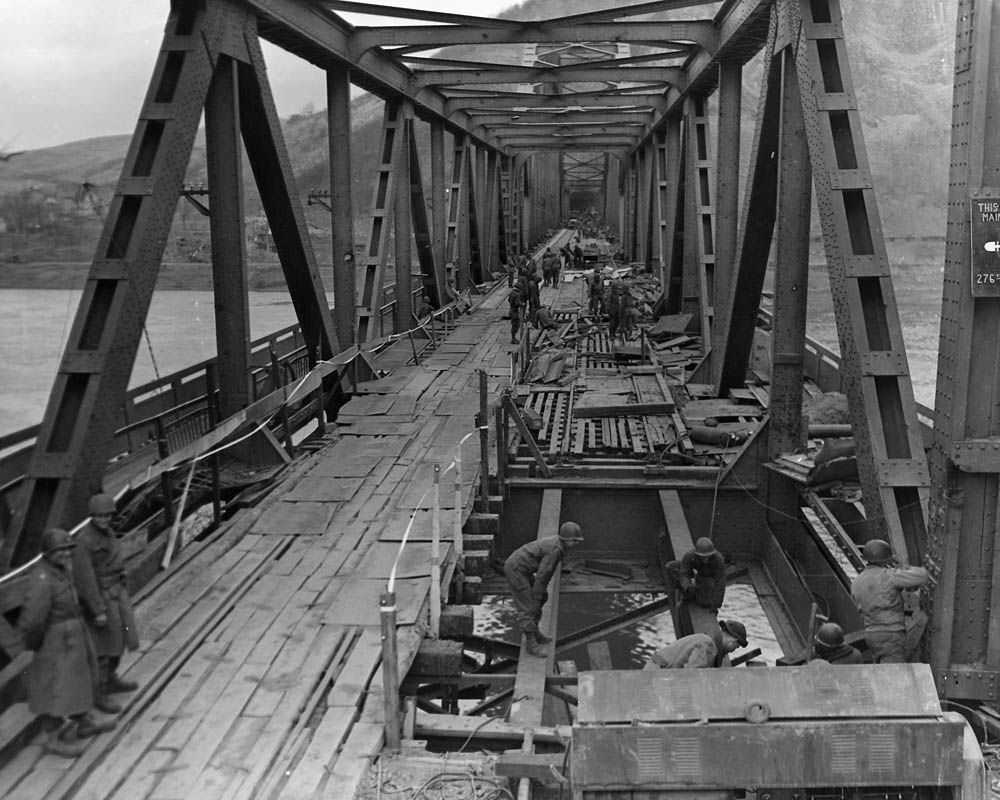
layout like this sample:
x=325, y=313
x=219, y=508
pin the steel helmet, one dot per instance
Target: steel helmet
x=101, y=504
x=704, y=547
x=56, y=539
x=570, y=532
x=830, y=634
x=877, y=551
x=735, y=629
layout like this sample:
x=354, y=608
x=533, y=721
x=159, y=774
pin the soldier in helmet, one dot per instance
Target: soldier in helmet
x=700, y=575
x=878, y=594
x=99, y=574
x=829, y=646
x=529, y=570
x=699, y=650
x=62, y=676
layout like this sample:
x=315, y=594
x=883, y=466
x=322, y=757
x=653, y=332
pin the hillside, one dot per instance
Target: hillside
x=900, y=50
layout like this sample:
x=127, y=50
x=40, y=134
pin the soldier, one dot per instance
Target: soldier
x=829, y=646
x=99, y=574
x=615, y=301
x=595, y=285
x=516, y=302
x=700, y=575
x=699, y=650
x=878, y=594
x=529, y=570
x=62, y=676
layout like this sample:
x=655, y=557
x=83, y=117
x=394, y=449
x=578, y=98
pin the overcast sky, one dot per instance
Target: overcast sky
x=73, y=69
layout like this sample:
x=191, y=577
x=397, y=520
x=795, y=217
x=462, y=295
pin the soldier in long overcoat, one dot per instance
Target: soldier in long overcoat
x=62, y=675
x=99, y=574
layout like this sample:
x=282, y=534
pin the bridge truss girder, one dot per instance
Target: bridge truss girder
x=656, y=94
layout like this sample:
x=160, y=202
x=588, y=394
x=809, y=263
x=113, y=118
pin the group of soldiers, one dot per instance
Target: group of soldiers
x=77, y=619
x=699, y=577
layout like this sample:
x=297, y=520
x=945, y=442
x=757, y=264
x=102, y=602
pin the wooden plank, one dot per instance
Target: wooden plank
x=319, y=755
x=363, y=744
x=340, y=467
x=363, y=609
x=373, y=426
x=599, y=654
x=290, y=519
x=18, y=767
x=623, y=440
x=226, y=774
x=529, y=686
x=526, y=437
x=461, y=727
x=414, y=561
x=322, y=488
x=633, y=428
x=623, y=409
x=580, y=438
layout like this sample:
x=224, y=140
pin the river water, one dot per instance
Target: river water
x=34, y=325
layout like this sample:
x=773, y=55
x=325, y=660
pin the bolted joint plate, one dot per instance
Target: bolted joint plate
x=883, y=362
x=902, y=472
x=976, y=684
x=976, y=455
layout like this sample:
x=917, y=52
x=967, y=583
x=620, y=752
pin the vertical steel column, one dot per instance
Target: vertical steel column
x=727, y=196
x=673, y=214
x=700, y=214
x=482, y=209
x=791, y=275
x=964, y=535
x=658, y=201
x=431, y=271
x=229, y=260
x=490, y=237
x=642, y=212
x=506, y=237
x=338, y=114
x=403, y=312
x=390, y=154
x=439, y=210
x=457, y=242
x=891, y=463
x=756, y=228
x=74, y=438
x=474, y=238
x=628, y=190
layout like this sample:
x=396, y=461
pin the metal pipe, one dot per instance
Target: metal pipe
x=436, y=555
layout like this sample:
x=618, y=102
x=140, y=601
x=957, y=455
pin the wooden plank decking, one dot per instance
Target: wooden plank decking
x=259, y=661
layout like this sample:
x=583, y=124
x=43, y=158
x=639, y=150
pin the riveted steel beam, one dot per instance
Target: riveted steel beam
x=338, y=94
x=319, y=36
x=516, y=102
x=963, y=546
x=575, y=74
x=701, y=32
x=883, y=412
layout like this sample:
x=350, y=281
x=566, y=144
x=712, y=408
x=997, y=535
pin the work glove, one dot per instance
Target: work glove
x=690, y=592
x=101, y=620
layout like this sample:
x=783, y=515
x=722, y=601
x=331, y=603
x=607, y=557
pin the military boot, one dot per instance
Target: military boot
x=534, y=647
x=87, y=726
x=116, y=683
x=104, y=703
x=541, y=638
x=59, y=746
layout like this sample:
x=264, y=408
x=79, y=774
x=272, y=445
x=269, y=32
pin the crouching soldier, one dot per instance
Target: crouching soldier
x=529, y=570
x=99, y=575
x=700, y=575
x=699, y=650
x=62, y=676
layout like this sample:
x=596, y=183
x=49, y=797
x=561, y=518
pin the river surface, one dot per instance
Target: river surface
x=34, y=325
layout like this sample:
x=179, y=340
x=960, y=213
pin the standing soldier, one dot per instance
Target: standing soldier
x=595, y=285
x=62, y=676
x=878, y=594
x=516, y=302
x=700, y=575
x=529, y=570
x=99, y=573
